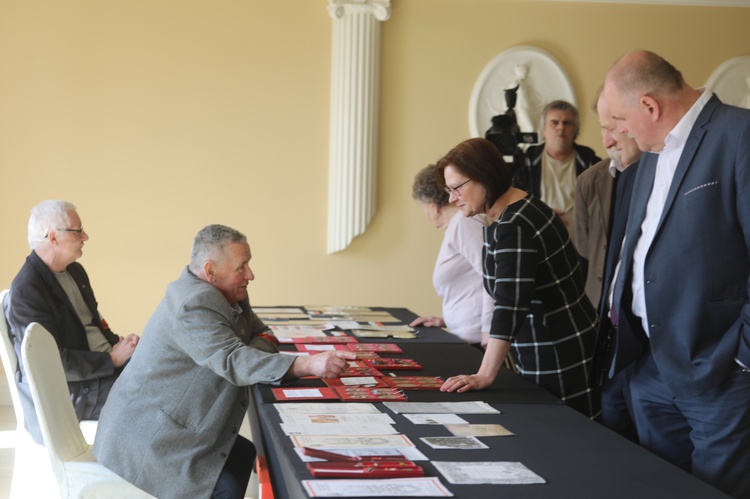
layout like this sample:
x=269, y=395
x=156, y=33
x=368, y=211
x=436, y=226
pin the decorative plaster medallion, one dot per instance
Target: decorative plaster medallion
x=539, y=76
x=731, y=81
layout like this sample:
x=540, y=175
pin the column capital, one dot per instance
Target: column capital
x=381, y=9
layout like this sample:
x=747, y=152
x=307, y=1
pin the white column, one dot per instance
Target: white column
x=355, y=78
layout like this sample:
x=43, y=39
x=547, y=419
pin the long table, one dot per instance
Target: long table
x=577, y=457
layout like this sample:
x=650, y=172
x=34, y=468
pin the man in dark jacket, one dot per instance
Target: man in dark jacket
x=54, y=290
x=551, y=168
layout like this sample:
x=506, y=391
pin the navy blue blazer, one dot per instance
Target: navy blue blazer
x=697, y=269
x=624, y=191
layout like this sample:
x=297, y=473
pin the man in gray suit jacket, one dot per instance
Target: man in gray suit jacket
x=681, y=293
x=171, y=421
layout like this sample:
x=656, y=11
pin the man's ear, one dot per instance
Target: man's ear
x=651, y=106
x=52, y=237
x=209, y=271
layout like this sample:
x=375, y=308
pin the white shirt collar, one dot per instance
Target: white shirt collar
x=679, y=134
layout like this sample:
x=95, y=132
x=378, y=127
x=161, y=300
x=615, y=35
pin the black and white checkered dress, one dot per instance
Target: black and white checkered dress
x=531, y=270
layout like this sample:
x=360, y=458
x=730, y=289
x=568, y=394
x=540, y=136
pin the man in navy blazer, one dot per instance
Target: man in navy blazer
x=681, y=291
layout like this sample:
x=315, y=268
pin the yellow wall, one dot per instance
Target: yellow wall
x=159, y=117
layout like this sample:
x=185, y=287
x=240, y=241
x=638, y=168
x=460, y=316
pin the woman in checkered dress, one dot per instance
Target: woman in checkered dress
x=542, y=318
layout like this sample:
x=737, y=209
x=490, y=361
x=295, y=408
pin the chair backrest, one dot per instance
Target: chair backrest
x=57, y=419
x=10, y=362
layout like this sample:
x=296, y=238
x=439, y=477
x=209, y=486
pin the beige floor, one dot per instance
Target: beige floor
x=7, y=434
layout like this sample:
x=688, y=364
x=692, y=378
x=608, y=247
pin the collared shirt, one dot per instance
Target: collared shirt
x=615, y=167
x=666, y=166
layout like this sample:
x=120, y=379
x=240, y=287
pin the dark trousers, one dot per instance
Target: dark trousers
x=617, y=409
x=234, y=477
x=707, y=435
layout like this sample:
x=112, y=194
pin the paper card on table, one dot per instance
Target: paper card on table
x=336, y=309
x=290, y=331
x=443, y=419
x=324, y=419
x=373, y=326
x=281, y=316
x=470, y=407
x=415, y=382
x=303, y=393
x=388, y=487
x=358, y=368
x=346, y=441
x=464, y=472
x=331, y=337
x=366, y=333
x=338, y=429
x=370, y=381
x=383, y=363
x=459, y=443
x=375, y=317
x=478, y=430
x=410, y=453
x=345, y=324
x=326, y=408
x=375, y=347
x=278, y=310
x=321, y=347
x=367, y=394
x=293, y=322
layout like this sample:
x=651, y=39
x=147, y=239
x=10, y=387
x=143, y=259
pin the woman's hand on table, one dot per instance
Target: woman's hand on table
x=428, y=322
x=465, y=382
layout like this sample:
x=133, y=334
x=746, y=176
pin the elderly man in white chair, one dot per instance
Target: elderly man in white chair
x=53, y=289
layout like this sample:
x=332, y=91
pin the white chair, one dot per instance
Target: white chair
x=76, y=470
x=32, y=474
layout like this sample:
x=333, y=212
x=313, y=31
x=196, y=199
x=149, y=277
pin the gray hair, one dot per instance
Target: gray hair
x=561, y=105
x=46, y=216
x=426, y=188
x=209, y=244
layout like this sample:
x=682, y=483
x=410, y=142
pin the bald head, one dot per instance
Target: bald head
x=647, y=97
x=644, y=72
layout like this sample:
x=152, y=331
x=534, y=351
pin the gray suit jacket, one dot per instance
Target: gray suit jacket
x=174, y=413
x=593, y=208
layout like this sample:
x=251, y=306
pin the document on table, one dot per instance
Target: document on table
x=278, y=310
x=458, y=443
x=390, y=487
x=410, y=453
x=478, y=430
x=444, y=419
x=323, y=419
x=288, y=331
x=474, y=407
x=346, y=441
x=502, y=472
x=327, y=408
x=338, y=429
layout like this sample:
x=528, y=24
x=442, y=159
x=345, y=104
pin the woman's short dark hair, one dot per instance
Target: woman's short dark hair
x=426, y=188
x=481, y=161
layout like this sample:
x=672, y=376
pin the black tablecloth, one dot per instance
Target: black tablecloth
x=577, y=457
